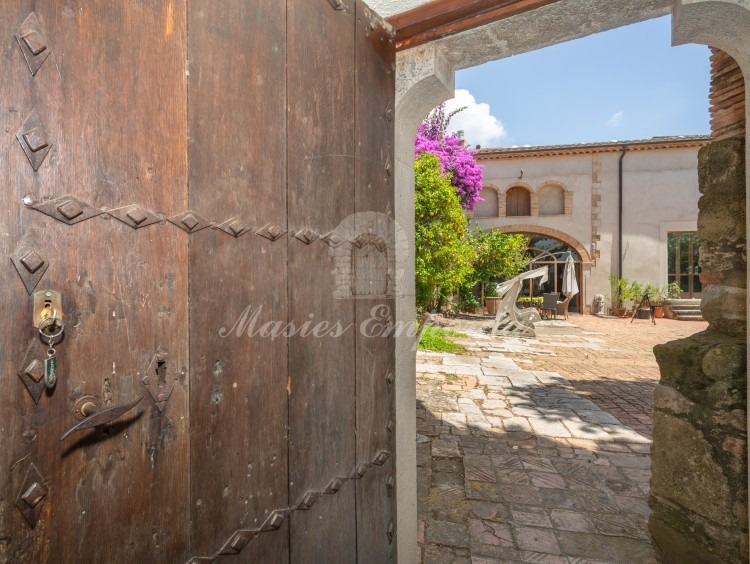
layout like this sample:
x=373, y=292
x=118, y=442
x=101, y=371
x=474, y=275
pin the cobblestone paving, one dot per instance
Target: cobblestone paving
x=537, y=450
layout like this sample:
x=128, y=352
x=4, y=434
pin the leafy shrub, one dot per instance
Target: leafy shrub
x=444, y=255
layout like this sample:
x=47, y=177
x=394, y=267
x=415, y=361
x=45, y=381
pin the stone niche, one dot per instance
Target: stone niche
x=699, y=452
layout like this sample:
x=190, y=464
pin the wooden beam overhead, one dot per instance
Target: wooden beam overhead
x=441, y=18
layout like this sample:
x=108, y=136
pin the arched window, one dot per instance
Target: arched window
x=517, y=202
x=551, y=200
x=487, y=208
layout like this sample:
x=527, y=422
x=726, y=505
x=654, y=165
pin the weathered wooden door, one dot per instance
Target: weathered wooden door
x=192, y=177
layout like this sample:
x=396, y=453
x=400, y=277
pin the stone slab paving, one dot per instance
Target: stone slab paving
x=522, y=463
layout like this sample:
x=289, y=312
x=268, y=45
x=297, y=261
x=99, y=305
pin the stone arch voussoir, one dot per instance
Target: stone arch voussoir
x=548, y=232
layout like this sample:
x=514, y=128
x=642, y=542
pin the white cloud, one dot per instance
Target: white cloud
x=615, y=119
x=480, y=127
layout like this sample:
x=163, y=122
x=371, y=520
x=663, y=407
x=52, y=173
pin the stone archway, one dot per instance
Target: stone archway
x=553, y=233
x=425, y=79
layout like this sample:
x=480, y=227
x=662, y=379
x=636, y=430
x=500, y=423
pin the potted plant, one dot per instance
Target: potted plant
x=619, y=293
x=673, y=291
x=468, y=302
x=525, y=301
x=656, y=296
x=669, y=292
x=491, y=299
x=634, y=295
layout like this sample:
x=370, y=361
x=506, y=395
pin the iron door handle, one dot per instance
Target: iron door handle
x=94, y=416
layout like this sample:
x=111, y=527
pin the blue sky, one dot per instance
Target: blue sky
x=628, y=83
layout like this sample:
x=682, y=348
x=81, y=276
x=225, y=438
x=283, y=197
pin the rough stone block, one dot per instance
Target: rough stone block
x=699, y=453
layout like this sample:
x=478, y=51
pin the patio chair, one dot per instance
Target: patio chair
x=549, y=305
x=562, y=307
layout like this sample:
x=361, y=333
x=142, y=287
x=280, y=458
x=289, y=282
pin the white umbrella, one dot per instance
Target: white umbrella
x=569, y=282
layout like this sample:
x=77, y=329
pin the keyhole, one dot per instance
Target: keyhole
x=161, y=372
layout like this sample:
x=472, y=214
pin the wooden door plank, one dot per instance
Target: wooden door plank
x=237, y=157
x=321, y=196
x=442, y=18
x=375, y=347
x=112, y=98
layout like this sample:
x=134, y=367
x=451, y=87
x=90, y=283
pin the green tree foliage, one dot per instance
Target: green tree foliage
x=498, y=255
x=444, y=254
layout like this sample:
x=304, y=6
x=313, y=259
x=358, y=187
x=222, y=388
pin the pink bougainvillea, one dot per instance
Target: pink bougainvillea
x=455, y=158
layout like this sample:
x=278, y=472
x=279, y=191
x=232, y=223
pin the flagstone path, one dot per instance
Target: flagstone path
x=537, y=450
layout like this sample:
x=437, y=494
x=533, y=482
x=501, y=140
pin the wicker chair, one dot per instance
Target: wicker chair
x=549, y=305
x=562, y=307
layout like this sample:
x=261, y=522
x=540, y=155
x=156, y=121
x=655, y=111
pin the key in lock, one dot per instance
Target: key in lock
x=47, y=304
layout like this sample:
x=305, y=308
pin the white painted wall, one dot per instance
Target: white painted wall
x=660, y=194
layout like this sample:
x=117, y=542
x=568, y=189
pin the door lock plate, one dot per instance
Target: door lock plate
x=46, y=304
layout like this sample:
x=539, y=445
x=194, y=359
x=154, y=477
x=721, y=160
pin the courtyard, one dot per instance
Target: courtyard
x=538, y=450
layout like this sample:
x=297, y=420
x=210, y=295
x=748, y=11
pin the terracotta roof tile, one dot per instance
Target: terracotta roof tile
x=604, y=146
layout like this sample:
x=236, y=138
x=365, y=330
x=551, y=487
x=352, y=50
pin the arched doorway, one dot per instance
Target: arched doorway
x=427, y=80
x=550, y=252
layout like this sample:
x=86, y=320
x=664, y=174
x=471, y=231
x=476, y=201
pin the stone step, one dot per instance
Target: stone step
x=685, y=310
x=686, y=302
x=689, y=317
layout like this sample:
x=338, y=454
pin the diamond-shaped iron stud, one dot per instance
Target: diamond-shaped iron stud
x=34, y=494
x=337, y=4
x=359, y=471
x=307, y=236
x=34, y=140
x=271, y=232
x=389, y=484
x=275, y=519
x=33, y=44
x=31, y=371
x=308, y=501
x=32, y=261
x=29, y=264
x=67, y=209
x=31, y=498
x=381, y=458
x=370, y=239
x=388, y=113
x=234, y=227
x=160, y=378
x=135, y=216
x=239, y=540
x=333, y=486
x=70, y=209
x=189, y=221
x=34, y=370
x=332, y=239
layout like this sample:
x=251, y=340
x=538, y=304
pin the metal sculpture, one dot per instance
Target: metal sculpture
x=510, y=320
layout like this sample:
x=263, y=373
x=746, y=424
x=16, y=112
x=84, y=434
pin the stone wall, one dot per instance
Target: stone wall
x=699, y=452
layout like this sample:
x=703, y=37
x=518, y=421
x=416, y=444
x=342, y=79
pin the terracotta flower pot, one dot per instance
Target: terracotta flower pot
x=658, y=312
x=492, y=303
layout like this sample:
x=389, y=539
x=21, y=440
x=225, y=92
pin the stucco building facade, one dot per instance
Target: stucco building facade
x=622, y=207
